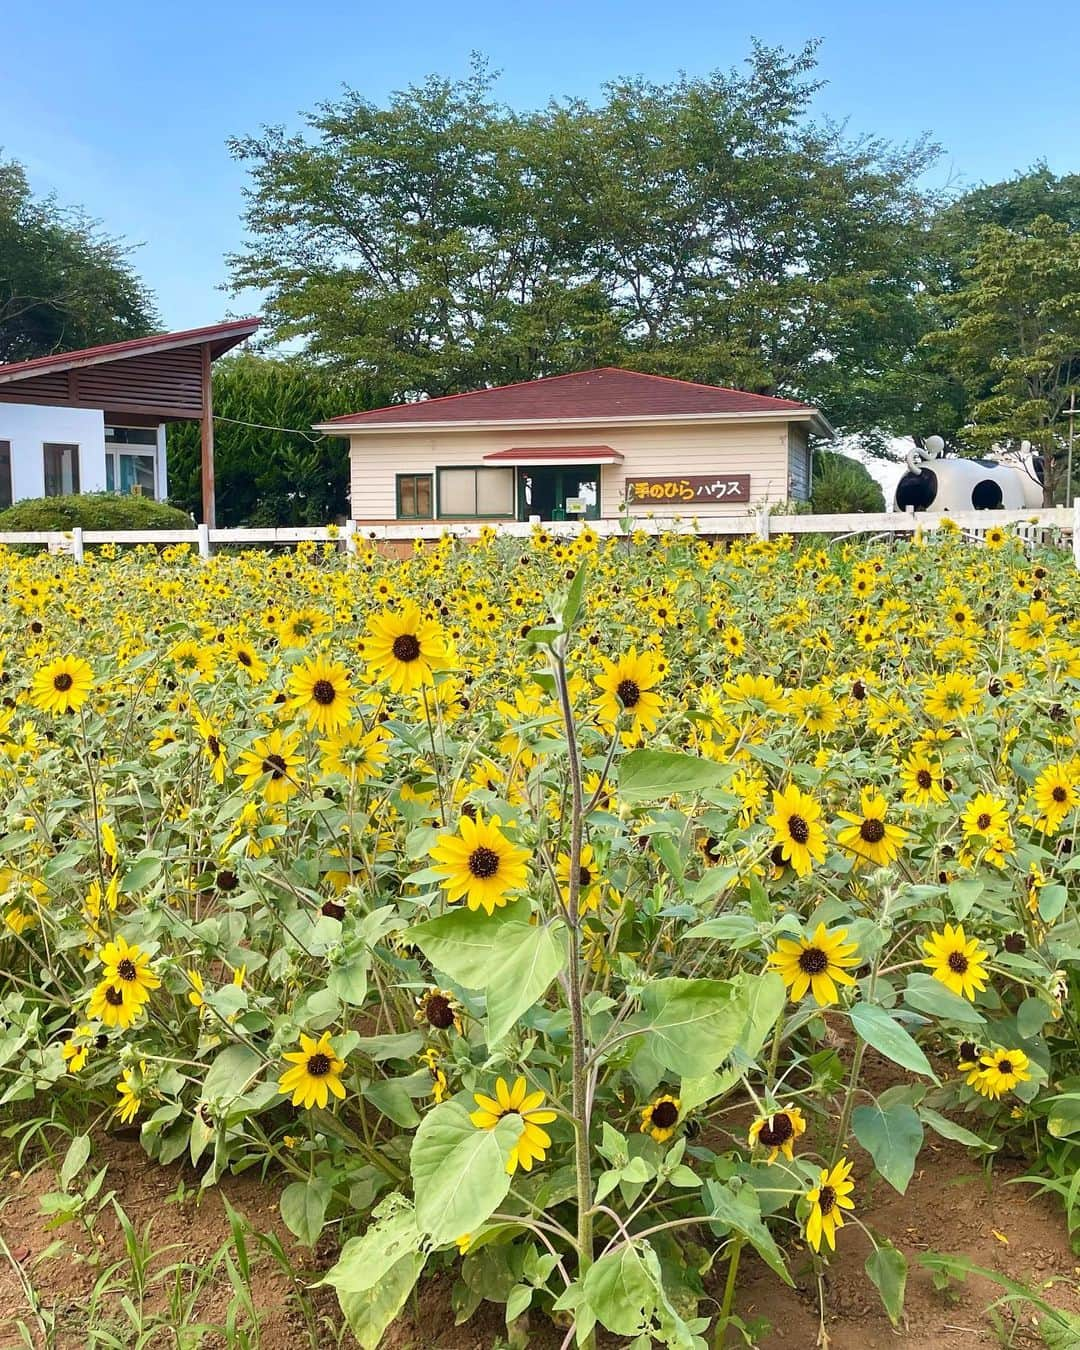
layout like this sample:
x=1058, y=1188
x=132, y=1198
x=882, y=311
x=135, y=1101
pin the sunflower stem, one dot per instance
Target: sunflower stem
x=579, y=1073
x=729, y=1287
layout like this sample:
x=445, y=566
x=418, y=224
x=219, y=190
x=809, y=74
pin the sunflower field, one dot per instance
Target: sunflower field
x=527, y=912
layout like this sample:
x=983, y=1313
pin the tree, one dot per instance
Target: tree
x=63, y=284
x=705, y=228
x=1015, y=339
x=842, y=484
x=270, y=467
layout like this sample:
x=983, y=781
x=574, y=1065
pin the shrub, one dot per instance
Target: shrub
x=93, y=511
x=842, y=484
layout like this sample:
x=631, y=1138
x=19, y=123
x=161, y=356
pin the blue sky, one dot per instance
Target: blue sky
x=124, y=107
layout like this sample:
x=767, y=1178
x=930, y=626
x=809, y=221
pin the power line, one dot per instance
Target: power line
x=262, y=426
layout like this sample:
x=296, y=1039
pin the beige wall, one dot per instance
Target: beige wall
x=761, y=449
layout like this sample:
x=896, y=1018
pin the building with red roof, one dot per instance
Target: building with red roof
x=94, y=420
x=594, y=444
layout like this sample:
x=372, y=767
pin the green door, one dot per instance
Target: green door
x=545, y=491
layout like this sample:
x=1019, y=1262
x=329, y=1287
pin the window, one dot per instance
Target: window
x=414, y=496
x=5, y=474
x=61, y=469
x=131, y=460
x=476, y=492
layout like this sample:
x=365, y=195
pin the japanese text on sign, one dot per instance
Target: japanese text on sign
x=732, y=487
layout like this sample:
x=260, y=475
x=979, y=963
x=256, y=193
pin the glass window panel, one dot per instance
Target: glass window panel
x=61, y=469
x=110, y=473
x=457, y=492
x=137, y=474
x=423, y=496
x=5, y=474
x=406, y=496
x=494, y=492
x=130, y=436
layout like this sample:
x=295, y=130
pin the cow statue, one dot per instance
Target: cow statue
x=939, y=482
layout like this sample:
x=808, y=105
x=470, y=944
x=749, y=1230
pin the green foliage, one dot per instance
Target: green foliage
x=842, y=484
x=706, y=229
x=93, y=511
x=63, y=284
x=265, y=476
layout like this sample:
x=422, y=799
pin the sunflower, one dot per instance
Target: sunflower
x=527, y=1106
x=195, y=993
x=62, y=685
x=192, y=659
x=270, y=764
x=796, y=822
x=660, y=1118
x=868, y=835
x=213, y=746
x=320, y=689
x=1055, y=795
x=626, y=687
x=968, y=1055
x=130, y=1101
x=355, y=753
x=126, y=965
x=756, y=692
x=778, y=1132
x=247, y=658
x=297, y=628
x=827, y=1201
x=404, y=648
x=922, y=779
x=590, y=881
x=985, y=817
x=115, y=1004
x=953, y=697
x=440, y=1084
x=815, y=964
x=818, y=711
x=316, y=1073
x=956, y=960
x=76, y=1049
x=439, y=1009
x=1032, y=626
x=479, y=864
x=1001, y=1071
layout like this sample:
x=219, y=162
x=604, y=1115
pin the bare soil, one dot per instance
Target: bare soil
x=950, y=1207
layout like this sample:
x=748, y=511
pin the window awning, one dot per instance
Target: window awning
x=555, y=454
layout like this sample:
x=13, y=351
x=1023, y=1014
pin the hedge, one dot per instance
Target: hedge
x=93, y=511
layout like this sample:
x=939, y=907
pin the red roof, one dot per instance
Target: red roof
x=607, y=392
x=593, y=454
x=219, y=336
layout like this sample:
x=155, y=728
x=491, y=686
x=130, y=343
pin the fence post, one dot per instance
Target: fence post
x=77, y=543
x=1076, y=531
x=349, y=533
x=763, y=520
x=204, y=540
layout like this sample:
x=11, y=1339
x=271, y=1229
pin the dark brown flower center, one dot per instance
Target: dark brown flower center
x=958, y=963
x=439, y=1011
x=664, y=1115
x=798, y=829
x=483, y=862
x=969, y=1052
x=813, y=961
x=214, y=746
x=274, y=764
x=629, y=693
x=1060, y=794
x=406, y=647
x=322, y=691
x=983, y=821
x=584, y=876
x=244, y=658
x=227, y=881
x=113, y=996
x=925, y=779
x=1004, y=1066
x=318, y=1065
x=872, y=830
x=777, y=1131
x=826, y=1199
x=62, y=682
x=126, y=969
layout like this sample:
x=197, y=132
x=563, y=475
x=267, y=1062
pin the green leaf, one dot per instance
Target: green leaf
x=739, y=1211
x=948, y=1129
x=573, y=599
x=376, y=1272
x=621, y=1292
x=887, y=1269
x=349, y=981
x=462, y=943
x=892, y=1136
x=303, y=1209
x=1031, y=1016
x=647, y=775
x=74, y=1160
x=930, y=996
x=693, y=1024
x=1051, y=902
x=392, y=1097
x=963, y=894
x=762, y=998
x=525, y=960
x=1063, y=1118
x=889, y=1038
x=459, y=1172
x=231, y=1073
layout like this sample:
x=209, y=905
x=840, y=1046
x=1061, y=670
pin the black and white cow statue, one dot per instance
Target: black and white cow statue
x=936, y=482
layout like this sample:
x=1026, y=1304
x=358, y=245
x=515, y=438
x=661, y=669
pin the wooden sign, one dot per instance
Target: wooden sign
x=690, y=491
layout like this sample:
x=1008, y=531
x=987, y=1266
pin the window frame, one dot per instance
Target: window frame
x=76, y=474
x=400, y=515
x=7, y=480
x=476, y=468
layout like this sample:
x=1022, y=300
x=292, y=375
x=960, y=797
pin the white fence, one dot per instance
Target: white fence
x=1052, y=523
